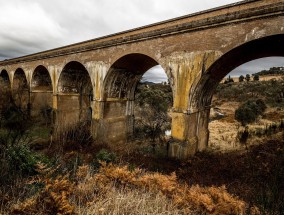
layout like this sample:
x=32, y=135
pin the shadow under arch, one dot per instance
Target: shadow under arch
x=5, y=89
x=41, y=79
x=41, y=94
x=118, y=95
x=20, y=90
x=125, y=73
x=201, y=97
x=75, y=94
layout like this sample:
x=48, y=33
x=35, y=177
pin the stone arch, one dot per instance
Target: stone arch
x=201, y=96
x=20, y=89
x=5, y=89
x=118, y=94
x=124, y=74
x=259, y=48
x=41, y=79
x=41, y=94
x=75, y=93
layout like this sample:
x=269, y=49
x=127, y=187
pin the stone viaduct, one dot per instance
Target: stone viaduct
x=96, y=79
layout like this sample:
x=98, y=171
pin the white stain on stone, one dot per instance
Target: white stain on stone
x=255, y=33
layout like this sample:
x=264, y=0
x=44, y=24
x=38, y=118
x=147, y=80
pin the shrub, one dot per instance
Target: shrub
x=256, y=77
x=13, y=118
x=247, y=77
x=21, y=159
x=16, y=157
x=104, y=155
x=249, y=111
x=241, y=78
x=243, y=136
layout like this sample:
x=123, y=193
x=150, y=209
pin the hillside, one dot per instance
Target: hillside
x=224, y=132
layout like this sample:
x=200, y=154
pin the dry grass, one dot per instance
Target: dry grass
x=126, y=201
x=196, y=188
x=117, y=190
x=223, y=135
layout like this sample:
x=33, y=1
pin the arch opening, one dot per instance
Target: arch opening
x=125, y=73
x=41, y=80
x=41, y=95
x=20, y=90
x=260, y=48
x=75, y=94
x=203, y=100
x=5, y=87
x=122, y=84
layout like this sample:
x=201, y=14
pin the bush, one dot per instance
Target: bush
x=22, y=160
x=16, y=157
x=104, y=155
x=249, y=111
x=13, y=118
x=256, y=77
x=241, y=78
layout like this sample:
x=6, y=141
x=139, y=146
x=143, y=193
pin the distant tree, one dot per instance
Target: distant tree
x=247, y=77
x=272, y=71
x=256, y=77
x=241, y=78
x=228, y=80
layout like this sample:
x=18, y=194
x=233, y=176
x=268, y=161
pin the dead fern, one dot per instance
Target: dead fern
x=53, y=199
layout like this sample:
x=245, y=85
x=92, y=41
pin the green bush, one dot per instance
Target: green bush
x=22, y=160
x=16, y=157
x=105, y=155
x=249, y=111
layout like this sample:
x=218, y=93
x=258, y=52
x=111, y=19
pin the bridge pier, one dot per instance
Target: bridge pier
x=202, y=130
x=189, y=125
x=189, y=133
x=184, y=143
x=113, y=120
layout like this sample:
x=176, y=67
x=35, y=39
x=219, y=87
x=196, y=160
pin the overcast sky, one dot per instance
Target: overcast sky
x=29, y=26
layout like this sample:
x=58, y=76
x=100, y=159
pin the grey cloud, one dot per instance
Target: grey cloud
x=156, y=74
x=258, y=65
x=37, y=25
x=26, y=28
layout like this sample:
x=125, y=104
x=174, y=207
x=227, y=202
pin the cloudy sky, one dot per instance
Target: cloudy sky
x=31, y=26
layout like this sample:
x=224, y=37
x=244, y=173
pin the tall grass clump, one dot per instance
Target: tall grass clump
x=73, y=137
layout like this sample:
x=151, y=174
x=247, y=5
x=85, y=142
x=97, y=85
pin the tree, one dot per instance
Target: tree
x=256, y=77
x=247, y=77
x=152, y=105
x=241, y=78
x=228, y=80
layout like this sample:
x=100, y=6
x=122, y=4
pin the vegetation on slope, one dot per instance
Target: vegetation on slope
x=272, y=71
x=271, y=92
